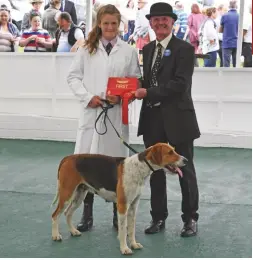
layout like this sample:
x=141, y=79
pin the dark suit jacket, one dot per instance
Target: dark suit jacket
x=173, y=91
x=69, y=8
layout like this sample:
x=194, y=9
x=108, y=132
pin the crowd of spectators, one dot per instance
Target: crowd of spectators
x=212, y=30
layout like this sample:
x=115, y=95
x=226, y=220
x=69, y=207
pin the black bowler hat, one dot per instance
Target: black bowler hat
x=161, y=9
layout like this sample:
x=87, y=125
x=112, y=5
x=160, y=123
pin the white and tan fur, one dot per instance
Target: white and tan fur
x=133, y=184
x=134, y=174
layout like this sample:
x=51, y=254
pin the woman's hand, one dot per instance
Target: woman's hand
x=13, y=39
x=95, y=102
x=113, y=99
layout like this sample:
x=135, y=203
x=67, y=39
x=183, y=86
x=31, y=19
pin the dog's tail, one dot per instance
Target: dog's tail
x=56, y=195
x=58, y=183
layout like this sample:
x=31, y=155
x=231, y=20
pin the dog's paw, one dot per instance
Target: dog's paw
x=57, y=237
x=136, y=246
x=126, y=251
x=75, y=233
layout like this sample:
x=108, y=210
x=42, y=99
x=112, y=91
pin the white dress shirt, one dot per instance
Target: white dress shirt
x=164, y=44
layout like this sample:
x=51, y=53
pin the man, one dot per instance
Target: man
x=36, y=6
x=69, y=7
x=247, y=40
x=68, y=37
x=221, y=10
x=229, y=28
x=168, y=115
x=49, y=21
x=181, y=25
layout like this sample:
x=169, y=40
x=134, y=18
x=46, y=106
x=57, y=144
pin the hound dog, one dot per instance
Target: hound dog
x=115, y=179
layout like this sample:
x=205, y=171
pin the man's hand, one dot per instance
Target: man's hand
x=40, y=40
x=33, y=37
x=113, y=99
x=95, y=102
x=140, y=93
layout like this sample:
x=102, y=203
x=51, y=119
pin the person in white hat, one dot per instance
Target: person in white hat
x=36, y=5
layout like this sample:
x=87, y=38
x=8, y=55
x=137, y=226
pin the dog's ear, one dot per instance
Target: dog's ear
x=154, y=154
x=143, y=155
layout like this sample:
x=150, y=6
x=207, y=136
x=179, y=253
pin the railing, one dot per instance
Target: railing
x=36, y=103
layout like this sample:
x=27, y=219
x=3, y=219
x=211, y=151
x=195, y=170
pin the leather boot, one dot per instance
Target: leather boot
x=86, y=222
x=115, y=216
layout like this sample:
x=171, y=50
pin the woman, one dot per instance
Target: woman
x=9, y=34
x=210, y=41
x=195, y=19
x=35, y=39
x=103, y=55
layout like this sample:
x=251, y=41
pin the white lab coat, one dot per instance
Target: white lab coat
x=87, y=77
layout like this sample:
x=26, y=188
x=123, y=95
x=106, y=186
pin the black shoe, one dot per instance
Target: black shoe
x=115, y=216
x=190, y=229
x=155, y=227
x=86, y=222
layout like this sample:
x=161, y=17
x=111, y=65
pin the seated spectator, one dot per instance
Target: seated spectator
x=35, y=39
x=9, y=34
x=68, y=36
x=36, y=5
x=49, y=19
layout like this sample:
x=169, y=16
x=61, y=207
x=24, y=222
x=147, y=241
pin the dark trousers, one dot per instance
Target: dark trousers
x=211, y=62
x=89, y=198
x=190, y=197
x=220, y=54
x=247, y=53
x=227, y=53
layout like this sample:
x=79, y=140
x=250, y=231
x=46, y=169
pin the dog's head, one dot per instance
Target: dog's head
x=165, y=156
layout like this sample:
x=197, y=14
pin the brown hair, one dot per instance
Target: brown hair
x=65, y=16
x=54, y=3
x=34, y=14
x=195, y=9
x=95, y=34
x=4, y=8
x=210, y=11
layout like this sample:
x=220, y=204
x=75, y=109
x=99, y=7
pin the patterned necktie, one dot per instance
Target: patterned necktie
x=156, y=66
x=108, y=48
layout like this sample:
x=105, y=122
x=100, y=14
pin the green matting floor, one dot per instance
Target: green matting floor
x=28, y=171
